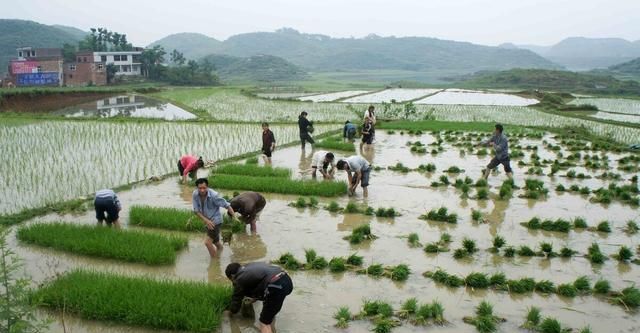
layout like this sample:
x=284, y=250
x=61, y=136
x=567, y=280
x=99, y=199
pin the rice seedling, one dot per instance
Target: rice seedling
x=375, y=270
x=580, y=223
x=484, y=321
x=139, y=301
x=252, y=160
x=567, y=290
x=399, y=273
x=387, y=212
x=585, y=330
x=414, y=240
x=582, y=285
x=342, y=316
x=445, y=278
x=525, y=251
x=603, y=227
x=469, y=245
x=477, y=280
x=550, y=325
x=333, y=207
x=251, y=170
x=445, y=238
x=409, y=307
x=351, y=208
x=566, y=252
x=532, y=319
x=560, y=188
x=629, y=297
x=165, y=218
x=444, y=180
x=558, y=225
x=384, y=325
x=545, y=287
x=547, y=249
x=601, y=287
x=284, y=186
x=476, y=215
x=355, y=260
x=498, y=280
x=335, y=143
x=361, y=234
x=454, y=169
x=289, y=262
x=524, y=285
x=441, y=215
x=337, y=265
x=510, y=252
x=624, y=254
x=427, y=167
x=595, y=255
x=399, y=167
x=481, y=183
x=506, y=189
x=482, y=194
x=376, y=309
x=460, y=253
x=303, y=203
x=632, y=228
x=110, y=243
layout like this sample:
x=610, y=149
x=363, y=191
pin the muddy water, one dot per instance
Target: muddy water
x=317, y=295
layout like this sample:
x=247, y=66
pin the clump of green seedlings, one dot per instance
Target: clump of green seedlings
x=603, y=227
x=582, y=285
x=626, y=194
x=506, y=189
x=399, y=272
x=289, y=262
x=360, y=234
x=629, y=297
x=252, y=170
x=399, y=167
x=183, y=305
x=484, y=321
x=417, y=147
x=624, y=254
x=631, y=228
x=595, y=255
x=482, y=194
x=304, y=203
x=337, y=265
x=498, y=243
x=343, y=316
x=427, y=167
x=481, y=183
x=282, y=185
x=559, y=225
x=440, y=215
x=414, y=240
x=476, y=216
x=534, y=322
x=333, y=207
x=547, y=250
x=566, y=252
x=601, y=287
x=454, y=169
x=468, y=248
x=534, y=189
x=314, y=261
x=580, y=223
x=110, y=243
x=441, y=276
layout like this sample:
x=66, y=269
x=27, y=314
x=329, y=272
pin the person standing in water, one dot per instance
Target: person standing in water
x=268, y=143
x=349, y=131
x=188, y=165
x=305, y=127
x=206, y=205
x=500, y=144
x=358, y=171
x=370, y=115
x=108, y=207
x=249, y=205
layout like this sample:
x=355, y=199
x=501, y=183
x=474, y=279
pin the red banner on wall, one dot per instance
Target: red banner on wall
x=24, y=67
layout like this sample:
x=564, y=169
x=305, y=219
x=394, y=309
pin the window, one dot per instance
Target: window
x=84, y=59
x=33, y=53
x=100, y=67
x=103, y=58
x=116, y=57
x=20, y=54
x=123, y=57
x=39, y=69
x=72, y=68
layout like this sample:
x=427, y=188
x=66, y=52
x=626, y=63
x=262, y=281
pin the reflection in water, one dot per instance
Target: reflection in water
x=127, y=106
x=246, y=248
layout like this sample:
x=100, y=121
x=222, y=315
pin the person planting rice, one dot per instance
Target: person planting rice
x=306, y=127
x=361, y=169
x=259, y=281
x=108, y=207
x=370, y=115
x=367, y=132
x=189, y=165
x=206, y=205
x=500, y=144
x=268, y=143
x=321, y=161
x=249, y=205
x=349, y=130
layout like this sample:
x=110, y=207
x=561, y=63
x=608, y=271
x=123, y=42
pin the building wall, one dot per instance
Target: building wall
x=85, y=73
x=129, y=67
x=36, y=72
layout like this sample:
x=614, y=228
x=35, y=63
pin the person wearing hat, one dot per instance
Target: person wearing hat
x=260, y=282
x=500, y=144
x=306, y=127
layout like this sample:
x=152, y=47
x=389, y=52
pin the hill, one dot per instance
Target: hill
x=580, y=53
x=255, y=68
x=552, y=80
x=192, y=45
x=79, y=34
x=628, y=68
x=20, y=33
x=324, y=53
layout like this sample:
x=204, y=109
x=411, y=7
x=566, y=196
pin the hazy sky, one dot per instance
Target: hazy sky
x=488, y=22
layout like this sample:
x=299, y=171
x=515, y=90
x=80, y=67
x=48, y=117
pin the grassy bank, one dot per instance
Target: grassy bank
x=280, y=185
x=172, y=305
x=103, y=242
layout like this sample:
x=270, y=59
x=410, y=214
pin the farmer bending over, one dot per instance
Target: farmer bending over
x=259, y=281
x=321, y=161
x=349, y=130
x=249, y=204
x=189, y=165
x=361, y=169
x=106, y=201
x=207, y=204
x=500, y=144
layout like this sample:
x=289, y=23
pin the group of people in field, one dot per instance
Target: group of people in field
x=262, y=281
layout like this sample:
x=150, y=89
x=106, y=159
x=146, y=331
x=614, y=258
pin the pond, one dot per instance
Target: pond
x=133, y=106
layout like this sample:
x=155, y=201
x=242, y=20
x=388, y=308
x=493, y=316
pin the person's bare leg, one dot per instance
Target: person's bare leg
x=313, y=174
x=265, y=328
x=100, y=222
x=510, y=175
x=485, y=175
x=209, y=244
x=116, y=224
x=219, y=246
x=365, y=191
x=253, y=225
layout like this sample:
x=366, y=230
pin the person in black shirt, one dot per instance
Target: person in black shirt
x=259, y=281
x=305, y=127
x=268, y=143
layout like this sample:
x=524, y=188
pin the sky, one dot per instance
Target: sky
x=488, y=22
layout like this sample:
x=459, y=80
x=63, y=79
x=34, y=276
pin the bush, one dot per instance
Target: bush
x=109, y=243
x=139, y=301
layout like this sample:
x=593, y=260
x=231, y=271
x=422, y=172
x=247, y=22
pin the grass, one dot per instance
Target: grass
x=360, y=234
x=337, y=265
x=175, y=219
x=303, y=203
x=282, y=185
x=335, y=143
x=441, y=215
x=70, y=206
x=343, y=316
x=582, y=285
x=567, y=290
x=251, y=170
x=109, y=243
x=172, y=305
x=533, y=318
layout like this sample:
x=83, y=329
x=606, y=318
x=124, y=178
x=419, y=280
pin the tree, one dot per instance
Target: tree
x=151, y=61
x=111, y=72
x=16, y=312
x=177, y=58
x=69, y=52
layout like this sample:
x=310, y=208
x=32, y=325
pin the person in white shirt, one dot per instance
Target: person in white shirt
x=361, y=170
x=321, y=161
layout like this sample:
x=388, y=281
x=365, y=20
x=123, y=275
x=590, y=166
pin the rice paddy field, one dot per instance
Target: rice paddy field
x=389, y=95
x=476, y=98
x=433, y=248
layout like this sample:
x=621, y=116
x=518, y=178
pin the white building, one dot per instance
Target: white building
x=126, y=62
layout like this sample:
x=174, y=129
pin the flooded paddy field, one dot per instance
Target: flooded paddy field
x=318, y=294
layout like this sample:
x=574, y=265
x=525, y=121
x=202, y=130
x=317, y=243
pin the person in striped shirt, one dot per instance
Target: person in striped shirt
x=107, y=206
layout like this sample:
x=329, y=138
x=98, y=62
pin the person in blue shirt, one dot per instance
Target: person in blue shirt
x=349, y=130
x=206, y=205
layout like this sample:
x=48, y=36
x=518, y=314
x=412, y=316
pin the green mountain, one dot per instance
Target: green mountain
x=192, y=45
x=80, y=34
x=255, y=68
x=580, y=53
x=323, y=53
x=627, y=68
x=552, y=80
x=20, y=33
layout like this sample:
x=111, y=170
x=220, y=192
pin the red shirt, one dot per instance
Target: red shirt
x=267, y=139
x=189, y=163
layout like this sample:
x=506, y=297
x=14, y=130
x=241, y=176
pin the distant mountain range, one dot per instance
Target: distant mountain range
x=20, y=33
x=581, y=54
x=255, y=68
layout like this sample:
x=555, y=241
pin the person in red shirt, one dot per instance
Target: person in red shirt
x=268, y=143
x=188, y=165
